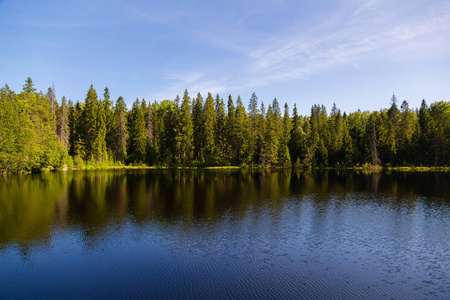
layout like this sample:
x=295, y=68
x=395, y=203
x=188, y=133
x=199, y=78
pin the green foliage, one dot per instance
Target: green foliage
x=209, y=117
x=28, y=87
x=27, y=139
x=185, y=130
x=137, y=147
x=62, y=127
x=37, y=134
x=120, y=130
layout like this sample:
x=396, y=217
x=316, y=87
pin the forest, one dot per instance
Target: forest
x=38, y=133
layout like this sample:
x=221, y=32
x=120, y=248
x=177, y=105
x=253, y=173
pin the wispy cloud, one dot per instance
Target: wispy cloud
x=194, y=81
x=376, y=28
x=352, y=32
x=299, y=56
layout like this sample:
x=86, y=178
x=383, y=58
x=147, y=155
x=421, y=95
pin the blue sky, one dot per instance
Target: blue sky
x=352, y=52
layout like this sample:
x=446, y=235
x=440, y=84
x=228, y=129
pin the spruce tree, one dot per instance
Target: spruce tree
x=149, y=120
x=62, y=124
x=198, y=121
x=230, y=125
x=371, y=139
x=53, y=102
x=121, y=130
x=95, y=127
x=171, y=146
x=243, y=147
x=28, y=87
x=76, y=135
x=296, y=142
x=137, y=131
x=109, y=121
x=253, y=127
x=220, y=146
x=283, y=150
x=186, y=130
x=209, y=116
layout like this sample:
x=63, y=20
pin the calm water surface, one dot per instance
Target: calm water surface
x=225, y=234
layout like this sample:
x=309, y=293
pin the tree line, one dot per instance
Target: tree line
x=38, y=133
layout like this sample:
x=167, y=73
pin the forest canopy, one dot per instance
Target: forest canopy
x=39, y=133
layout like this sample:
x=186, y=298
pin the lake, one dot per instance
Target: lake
x=214, y=234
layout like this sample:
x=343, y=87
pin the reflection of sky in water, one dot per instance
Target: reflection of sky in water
x=227, y=233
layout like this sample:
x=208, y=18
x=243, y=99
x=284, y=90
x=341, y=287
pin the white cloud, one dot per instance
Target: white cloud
x=346, y=38
x=376, y=28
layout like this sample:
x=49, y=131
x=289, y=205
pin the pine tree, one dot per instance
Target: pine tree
x=271, y=137
x=253, y=127
x=371, y=138
x=109, y=121
x=318, y=137
x=171, y=142
x=199, y=128
x=219, y=131
x=440, y=114
x=405, y=143
x=260, y=152
x=76, y=146
x=283, y=151
x=357, y=126
x=186, y=130
x=209, y=116
x=426, y=134
x=137, y=133
x=149, y=120
x=297, y=140
x=158, y=130
x=121, y=130
x=242, y=135
x=28, y=87
x=94, y=120
x=53, y=102
x=230, y=126
x=62, y=124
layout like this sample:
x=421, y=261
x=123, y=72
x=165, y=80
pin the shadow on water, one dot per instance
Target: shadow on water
x=32, y=206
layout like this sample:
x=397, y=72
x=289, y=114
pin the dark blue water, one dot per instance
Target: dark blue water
x=225, y=234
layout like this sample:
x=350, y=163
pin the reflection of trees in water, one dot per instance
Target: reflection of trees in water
x=376, y=176
x=95, y=202
x=29, y=205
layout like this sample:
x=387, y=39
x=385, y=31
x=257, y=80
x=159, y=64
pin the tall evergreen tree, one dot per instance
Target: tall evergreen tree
x=28, y=87
x=371, y=139
x=198, y=123
x=137, y=133
x=62, y=124
x=220, y=146
x=209, y=116
x=76, y=135
x=253, y=127
x=230, y=129
x=109, y=122
x=121, y=130
x=242, y=134
x=171, y=148
x=53, y=102
x=407, y=134
x=95, y=127
x=283, y=150
x=318, y=137
x=149, y=120
x=440, y=113
x=186, y=130
x=297, y=140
